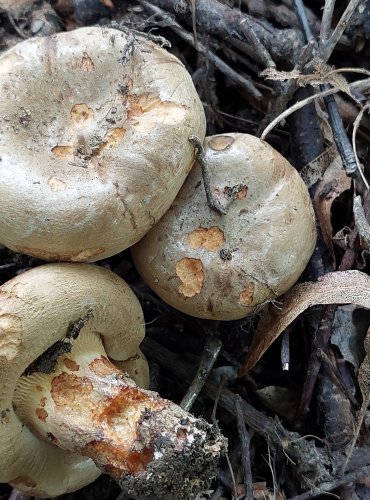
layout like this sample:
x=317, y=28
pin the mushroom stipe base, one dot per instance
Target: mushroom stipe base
x=89, y=407
x=60, y=430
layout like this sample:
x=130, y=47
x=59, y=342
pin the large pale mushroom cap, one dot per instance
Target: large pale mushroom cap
x=94, y=141
x=227, y=266
x=37, y=309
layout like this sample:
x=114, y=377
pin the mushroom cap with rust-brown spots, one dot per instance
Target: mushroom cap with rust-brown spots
x=94, y=141
x=228, y=266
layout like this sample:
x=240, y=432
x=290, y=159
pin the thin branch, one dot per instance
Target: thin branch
x=20, y=32
x=247, y=85
x=355, y=476
x=321, y=339
x=356, y=124
x=361, y=222
x=362, y=84
x=335, y=376
x=339, y=133
x=201, y=159
x=210, y=354
x=194, y=23
x=301, y=14
x=285, y=351
x=295, y=107
x=245, y=440
x=341, y=139
x=261, y=50
x=326, y=20
x=360, y=419
x=215, y=423
x=340, y=28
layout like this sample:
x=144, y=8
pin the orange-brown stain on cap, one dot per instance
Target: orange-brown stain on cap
x=191, y=274
x=211, y=239
x=246, y=296
x=220, y=142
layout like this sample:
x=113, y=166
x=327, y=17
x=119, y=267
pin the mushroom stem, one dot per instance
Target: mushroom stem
x=90, y=407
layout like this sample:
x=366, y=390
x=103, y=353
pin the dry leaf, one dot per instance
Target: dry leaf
x=341, y=287
x=281, y=76
x=322, y=74
x=364, y=383
x=364, y=370
x=340, y=239
x=348, y=332
x=333, y=184
x=313, y=171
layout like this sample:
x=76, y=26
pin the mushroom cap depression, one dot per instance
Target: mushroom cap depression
x=228, y=266
x=37, y=308
x=94, y=141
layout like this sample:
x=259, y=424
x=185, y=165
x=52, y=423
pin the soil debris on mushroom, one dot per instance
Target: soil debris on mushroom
x=61, y=427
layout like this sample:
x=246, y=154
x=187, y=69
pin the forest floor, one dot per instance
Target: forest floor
x=289, y=406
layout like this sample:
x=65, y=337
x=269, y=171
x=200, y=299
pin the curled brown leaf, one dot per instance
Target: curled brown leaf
x=334, y=182
x=341, y=287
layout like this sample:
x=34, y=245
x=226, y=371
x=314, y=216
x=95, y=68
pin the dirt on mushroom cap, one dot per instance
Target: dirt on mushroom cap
x=94, y=143
x=249, y=256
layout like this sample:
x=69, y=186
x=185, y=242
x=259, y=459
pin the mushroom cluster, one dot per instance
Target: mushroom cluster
x=228, y=266
x=94, y=141
x=94, y=148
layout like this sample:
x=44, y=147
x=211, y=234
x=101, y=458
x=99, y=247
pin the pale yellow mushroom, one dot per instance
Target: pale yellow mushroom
x=67, y=413
x=94, y=141
x=228, y=266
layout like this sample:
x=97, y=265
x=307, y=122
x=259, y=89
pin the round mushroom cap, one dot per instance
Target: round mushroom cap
x=227, y=267
x=94, y=127
x=37, y=309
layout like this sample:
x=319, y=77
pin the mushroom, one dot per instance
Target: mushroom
x=94, y=141
x=16, y=7
x=136, y=368
x=228, y=266
x=67, y=412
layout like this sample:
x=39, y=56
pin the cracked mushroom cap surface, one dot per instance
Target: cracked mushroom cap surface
x=37, y=309
x=228, y=266
x=93, y=143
